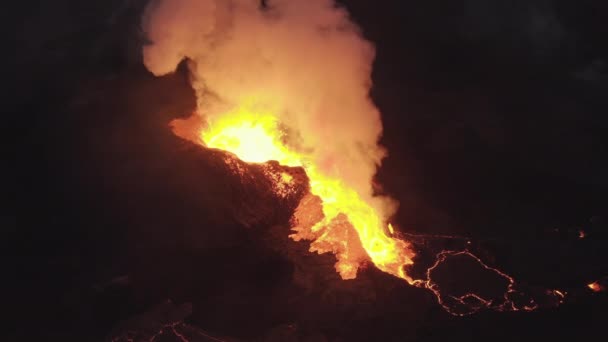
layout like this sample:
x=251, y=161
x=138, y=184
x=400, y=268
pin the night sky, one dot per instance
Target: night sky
x=495, y=121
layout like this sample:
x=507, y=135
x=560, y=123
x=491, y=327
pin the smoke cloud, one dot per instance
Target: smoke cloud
x=304, y=60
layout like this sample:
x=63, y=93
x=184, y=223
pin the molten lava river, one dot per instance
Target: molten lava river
x=257, y=138
x=349, y=226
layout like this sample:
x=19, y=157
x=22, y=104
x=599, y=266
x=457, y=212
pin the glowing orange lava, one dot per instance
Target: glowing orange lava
x=258, y=137
x=346, y=225
x=595, y=287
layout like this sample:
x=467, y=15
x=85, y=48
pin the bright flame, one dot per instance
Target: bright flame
x=247, y=136
x=257, y=137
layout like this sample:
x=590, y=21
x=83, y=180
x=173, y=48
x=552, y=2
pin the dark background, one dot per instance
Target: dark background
x=494, y=116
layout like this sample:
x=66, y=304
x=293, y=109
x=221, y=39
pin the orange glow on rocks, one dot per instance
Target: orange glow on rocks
x=290, y=82
x=350, y=227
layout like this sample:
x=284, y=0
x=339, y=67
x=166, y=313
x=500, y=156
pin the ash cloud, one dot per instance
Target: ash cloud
x=306, y=61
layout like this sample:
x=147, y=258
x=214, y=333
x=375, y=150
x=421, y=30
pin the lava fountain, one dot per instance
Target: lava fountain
x=256, y=137
x=289, y=81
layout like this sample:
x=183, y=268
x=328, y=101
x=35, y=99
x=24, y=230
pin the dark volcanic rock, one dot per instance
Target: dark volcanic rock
x=496, y=147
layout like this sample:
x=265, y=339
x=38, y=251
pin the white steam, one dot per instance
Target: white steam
x=304, y=59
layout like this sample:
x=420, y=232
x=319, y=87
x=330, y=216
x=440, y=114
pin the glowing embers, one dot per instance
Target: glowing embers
x=596, y=287
x=559, y=295
x=348, y=226
x=391, y=229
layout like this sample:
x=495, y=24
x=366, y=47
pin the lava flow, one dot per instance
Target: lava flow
x=256, y=137
x=349, y=227
x=289, y=81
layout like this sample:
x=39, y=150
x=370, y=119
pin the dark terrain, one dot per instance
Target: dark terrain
x=495, y=122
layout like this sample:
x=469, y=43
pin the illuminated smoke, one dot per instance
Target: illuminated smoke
x=303, y=60
x=307, y=64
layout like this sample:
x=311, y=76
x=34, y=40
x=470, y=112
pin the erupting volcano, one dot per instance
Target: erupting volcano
x=257, y=137
x=289, y=81
x=306, y=170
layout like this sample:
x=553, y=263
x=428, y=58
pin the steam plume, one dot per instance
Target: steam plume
x=304, y=60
